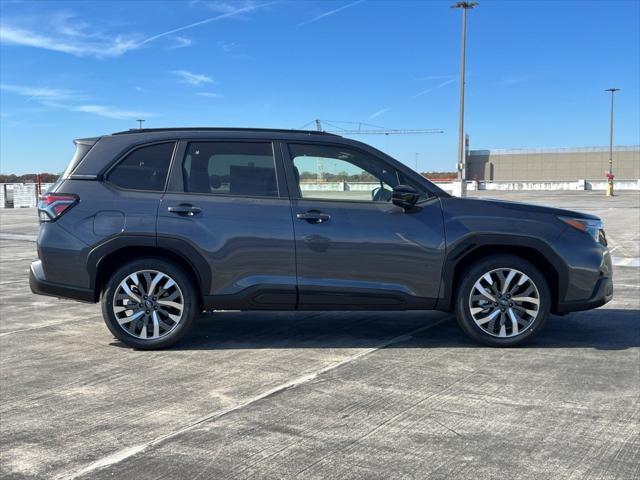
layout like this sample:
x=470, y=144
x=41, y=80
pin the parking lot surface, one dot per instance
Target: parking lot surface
x=322, y=394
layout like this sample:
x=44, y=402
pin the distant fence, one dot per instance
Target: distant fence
x=550, y=185
x=21, y=195
x=447, y=185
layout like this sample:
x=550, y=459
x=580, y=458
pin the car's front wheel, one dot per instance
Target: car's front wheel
x=502, y=301
x=149, y=303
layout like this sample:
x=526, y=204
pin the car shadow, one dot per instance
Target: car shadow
x=603, y=329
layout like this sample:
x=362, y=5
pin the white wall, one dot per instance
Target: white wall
x=577, y=185
x=21, y=194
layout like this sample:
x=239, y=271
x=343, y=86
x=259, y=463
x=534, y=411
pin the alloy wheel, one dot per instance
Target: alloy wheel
x=148, y=304
x=504, y=302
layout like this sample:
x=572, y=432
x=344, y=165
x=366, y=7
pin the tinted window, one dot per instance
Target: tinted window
x=143, y=169
x=340, y=173
x=230, y=168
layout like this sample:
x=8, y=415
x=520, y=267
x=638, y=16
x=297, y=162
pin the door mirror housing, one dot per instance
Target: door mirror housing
x=405, y=196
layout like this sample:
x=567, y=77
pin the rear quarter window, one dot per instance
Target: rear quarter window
x=230, y=168
x=145, y=168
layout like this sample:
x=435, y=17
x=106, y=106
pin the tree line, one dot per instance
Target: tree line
x=29, y=178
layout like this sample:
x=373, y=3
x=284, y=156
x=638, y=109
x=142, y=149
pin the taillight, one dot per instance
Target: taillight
x=52, y=205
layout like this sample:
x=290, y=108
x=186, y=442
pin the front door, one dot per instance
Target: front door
x=354, y=248
x=226, y=200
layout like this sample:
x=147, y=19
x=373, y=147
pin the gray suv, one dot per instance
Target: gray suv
x=161, y=224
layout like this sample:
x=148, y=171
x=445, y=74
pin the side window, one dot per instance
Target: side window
x=230, y=168
x=143, y=169
x=338, y=173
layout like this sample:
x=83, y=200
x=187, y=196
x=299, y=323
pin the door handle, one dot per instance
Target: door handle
x=185, y=209
x=313, y=216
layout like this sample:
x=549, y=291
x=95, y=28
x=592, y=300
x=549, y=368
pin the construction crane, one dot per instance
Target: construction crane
x=369, y=129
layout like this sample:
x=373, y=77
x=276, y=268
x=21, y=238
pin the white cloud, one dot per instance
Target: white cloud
x=228, y=47
x=69, y=100
x=330, y=12
x=181, y=42
x=514, y=80
x=428, y=90
x=110, y=112
x=228, y=14
x=434, y=77
x=42, y=93
x=210, y=94
x=83, y=40
x=221, y=6
x=382, y=111
x=73, y=45
x=192, y=78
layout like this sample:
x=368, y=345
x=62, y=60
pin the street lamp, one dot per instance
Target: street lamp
x=464, y=6
x=610, y=174
x=140, y=122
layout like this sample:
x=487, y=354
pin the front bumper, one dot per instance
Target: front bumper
x=602, y=293
x=39, y=285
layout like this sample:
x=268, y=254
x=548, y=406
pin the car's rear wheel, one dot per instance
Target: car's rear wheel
x=502, y=301
x=149, y=303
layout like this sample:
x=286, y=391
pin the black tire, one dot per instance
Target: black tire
x=488, y=333
x=177, y=330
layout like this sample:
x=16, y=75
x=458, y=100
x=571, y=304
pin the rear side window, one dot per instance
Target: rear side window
x=230, y=168
x=143, y=169
x=82, y=149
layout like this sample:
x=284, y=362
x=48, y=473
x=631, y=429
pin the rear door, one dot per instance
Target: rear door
x=354, y=248
x=227, y=200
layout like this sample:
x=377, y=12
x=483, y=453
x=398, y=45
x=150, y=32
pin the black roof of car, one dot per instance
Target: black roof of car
x=221, y=129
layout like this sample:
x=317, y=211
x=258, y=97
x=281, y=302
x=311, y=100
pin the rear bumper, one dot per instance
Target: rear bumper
x=41, y=286
x=602, y=293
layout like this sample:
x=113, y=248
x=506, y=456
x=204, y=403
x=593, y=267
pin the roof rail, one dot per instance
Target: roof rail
x=221, y=129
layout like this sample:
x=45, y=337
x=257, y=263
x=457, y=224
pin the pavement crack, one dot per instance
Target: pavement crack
x=128, y=452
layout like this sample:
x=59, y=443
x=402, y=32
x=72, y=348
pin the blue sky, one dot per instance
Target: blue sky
x=536, y=72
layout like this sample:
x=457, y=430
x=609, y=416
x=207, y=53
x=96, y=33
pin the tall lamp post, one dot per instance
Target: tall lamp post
x=460, y=167
x=610, y=174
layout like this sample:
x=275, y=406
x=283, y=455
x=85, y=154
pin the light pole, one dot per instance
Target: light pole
x=460, y=167
x=610, y=174
x=140, y=122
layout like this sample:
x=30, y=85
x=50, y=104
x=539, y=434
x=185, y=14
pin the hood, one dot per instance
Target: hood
x=530, y=207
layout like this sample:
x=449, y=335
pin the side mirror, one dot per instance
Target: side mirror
x=405, y=196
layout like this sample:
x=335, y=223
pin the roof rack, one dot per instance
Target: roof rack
x=221, y=129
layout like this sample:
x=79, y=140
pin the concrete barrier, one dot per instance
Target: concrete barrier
x=24, y=195
x=559, y=185
x=449, y=186
x=19, y=195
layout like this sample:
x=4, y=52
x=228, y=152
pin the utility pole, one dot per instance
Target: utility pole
x=460, y=167
x=319, y=161
x=140, y=122
x=610, y=174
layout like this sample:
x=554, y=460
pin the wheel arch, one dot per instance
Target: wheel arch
x=106, y=259
x=533, y=250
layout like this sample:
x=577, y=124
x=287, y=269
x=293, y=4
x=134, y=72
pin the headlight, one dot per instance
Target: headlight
x=595, y=228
